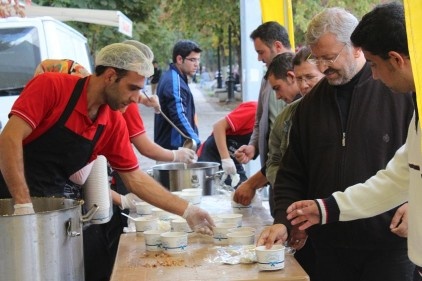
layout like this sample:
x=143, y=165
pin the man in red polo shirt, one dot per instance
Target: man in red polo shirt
x=61, y=122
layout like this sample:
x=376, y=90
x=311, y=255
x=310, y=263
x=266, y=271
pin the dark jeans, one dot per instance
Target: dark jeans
x=334, y=264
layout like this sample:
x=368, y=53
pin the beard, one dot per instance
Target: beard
x=343, y=75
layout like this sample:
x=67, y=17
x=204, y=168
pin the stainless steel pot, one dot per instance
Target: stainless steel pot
x=178, y=176
x=43, y=246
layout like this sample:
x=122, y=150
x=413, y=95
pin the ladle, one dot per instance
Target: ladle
x=189, y=142
x=132, y=218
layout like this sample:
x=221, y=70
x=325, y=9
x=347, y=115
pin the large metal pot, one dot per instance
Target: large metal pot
x=46, y=245
x=178, y=176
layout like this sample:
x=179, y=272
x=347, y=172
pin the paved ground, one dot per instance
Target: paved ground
x=208, y=109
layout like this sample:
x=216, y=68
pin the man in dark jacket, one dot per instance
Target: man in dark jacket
x=345, y=130
x=155, y=77
x=176, y=99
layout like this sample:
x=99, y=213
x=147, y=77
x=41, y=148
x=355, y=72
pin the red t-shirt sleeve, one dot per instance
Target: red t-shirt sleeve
x=115, y=145
x=134, y=122
x=38, y=102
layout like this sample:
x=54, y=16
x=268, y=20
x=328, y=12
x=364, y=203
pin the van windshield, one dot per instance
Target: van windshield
x=19, y=56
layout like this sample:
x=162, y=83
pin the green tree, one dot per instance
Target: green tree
x=304, y=10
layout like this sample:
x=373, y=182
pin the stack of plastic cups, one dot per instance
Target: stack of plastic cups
x=96, y=191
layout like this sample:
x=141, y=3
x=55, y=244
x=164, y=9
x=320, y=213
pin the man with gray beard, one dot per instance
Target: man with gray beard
x=345, y=130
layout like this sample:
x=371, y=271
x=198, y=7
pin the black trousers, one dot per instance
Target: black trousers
x=100, y=247
x=102, y=240
x=351, y=264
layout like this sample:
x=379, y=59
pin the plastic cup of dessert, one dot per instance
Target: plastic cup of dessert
x=191, y=197
x=143, y=208
x=152, y=240
x=237, y=208
x=243, y=229
x=192, y=191
x=180, y=225
x=241, y=238
x=145, y=223
x=220, y=231
x=270, y=259
x=174, y=242
x=232, y=218
x=161, y=214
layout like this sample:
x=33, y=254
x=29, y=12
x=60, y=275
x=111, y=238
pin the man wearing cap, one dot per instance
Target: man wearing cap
x=60, y=123
x=176, y=98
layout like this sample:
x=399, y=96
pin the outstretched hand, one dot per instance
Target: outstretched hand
x=199, y=220
x=303, y=213
x=274, y=234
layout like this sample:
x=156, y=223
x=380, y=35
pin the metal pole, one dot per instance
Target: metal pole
x=219, y=77
x=230, y=79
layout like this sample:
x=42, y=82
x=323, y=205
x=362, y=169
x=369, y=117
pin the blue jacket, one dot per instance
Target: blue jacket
x=177, y=103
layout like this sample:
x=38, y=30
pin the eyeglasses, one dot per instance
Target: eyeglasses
x=327, y=62
x=306, y=79
x=194, y=60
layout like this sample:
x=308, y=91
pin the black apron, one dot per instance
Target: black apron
x=52, y=158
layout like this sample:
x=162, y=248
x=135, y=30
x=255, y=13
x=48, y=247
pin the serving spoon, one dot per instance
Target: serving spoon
x=132, y=218
x=189, y=142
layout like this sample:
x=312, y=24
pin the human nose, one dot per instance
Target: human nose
x=375, y=74
x=134, y=98
x=322, y=67
x=303, y=87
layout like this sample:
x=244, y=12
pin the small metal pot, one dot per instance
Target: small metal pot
x=46, y=245
x=178, y=176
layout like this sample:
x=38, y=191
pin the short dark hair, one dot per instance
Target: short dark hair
x=270, y=32
x=382, y=30
x=280, y=65
x=184, y=47
x=302, y=55
x=100, y=69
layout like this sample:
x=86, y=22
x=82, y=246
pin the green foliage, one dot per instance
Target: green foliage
x=304, y=10
x=161, y=23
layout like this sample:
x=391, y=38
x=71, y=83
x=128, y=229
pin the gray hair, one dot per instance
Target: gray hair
x=332, y=20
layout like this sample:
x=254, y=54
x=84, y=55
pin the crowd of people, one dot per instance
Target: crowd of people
x=334, y=126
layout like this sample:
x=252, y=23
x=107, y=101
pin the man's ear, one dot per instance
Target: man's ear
x=110, y=75
x=279, y=47
x=179, y=59
x=396, y=59
x=290, y=76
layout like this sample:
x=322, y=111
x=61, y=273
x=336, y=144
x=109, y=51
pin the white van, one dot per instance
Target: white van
x=24, y=43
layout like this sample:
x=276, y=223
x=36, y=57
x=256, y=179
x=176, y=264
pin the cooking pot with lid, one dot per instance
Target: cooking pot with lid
x=46, y=245
x=178, y=176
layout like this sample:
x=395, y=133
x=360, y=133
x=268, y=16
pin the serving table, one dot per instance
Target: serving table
x=200, y=262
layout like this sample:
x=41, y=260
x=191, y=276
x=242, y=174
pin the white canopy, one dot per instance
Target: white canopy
x=102, y=17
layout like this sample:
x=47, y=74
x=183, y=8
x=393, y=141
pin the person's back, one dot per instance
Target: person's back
x=234, y=130
x=176, y=99
x=346, y=129
x=270, y=39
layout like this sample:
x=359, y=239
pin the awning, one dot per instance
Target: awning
x=102, y=17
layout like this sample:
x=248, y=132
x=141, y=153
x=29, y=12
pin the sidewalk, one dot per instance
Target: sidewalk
x=208, y=110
